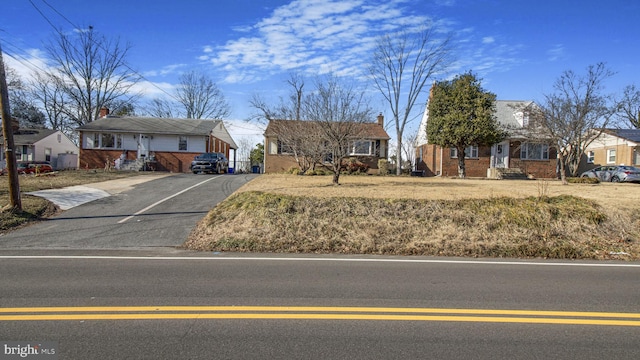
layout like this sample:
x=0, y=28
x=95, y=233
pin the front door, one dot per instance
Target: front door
x=143, y=146
x=500, y=155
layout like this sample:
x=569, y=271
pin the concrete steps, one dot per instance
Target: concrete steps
x=511, y=174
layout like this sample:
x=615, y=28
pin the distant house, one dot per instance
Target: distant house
x=371, y=145
x=612, y=147
x=43, y=145
x=162, y=144
x=513, y=157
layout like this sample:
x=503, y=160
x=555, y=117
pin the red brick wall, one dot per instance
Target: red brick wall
x=478, y=167
x=282, y=163
x=165, y=161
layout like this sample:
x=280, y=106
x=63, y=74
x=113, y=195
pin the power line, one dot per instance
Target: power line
x=100, y=45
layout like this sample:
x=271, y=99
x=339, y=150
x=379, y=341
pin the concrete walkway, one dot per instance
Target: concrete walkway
x=72, y=196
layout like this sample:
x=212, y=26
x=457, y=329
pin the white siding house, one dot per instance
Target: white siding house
x=42, y=145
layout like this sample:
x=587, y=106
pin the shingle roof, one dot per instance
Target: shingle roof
x=369, y=130
x=628, y=134
x=506, y=112
x=166, y=126
x=28, y=136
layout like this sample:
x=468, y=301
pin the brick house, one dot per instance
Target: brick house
x=162, y=144
x=612, y=147
x=513, y=156
x=371, y=145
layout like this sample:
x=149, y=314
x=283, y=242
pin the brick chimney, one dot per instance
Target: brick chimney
x=381, y=119
x=431, y=90
x=104, y=111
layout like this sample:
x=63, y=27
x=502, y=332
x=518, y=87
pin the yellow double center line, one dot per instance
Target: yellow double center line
x=317, y=313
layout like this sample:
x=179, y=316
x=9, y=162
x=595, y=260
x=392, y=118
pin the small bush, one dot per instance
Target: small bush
x=383, y=167
x=354, y=167
x=310, y=172
x=583, y=180
x=294, y=170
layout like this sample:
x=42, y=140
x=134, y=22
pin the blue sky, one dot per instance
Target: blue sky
x=517, y=47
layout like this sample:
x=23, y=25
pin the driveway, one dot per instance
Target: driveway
x=127, y=213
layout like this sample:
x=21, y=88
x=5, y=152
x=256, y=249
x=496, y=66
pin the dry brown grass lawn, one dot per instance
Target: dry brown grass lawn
x=614, y=195
x=426, y=216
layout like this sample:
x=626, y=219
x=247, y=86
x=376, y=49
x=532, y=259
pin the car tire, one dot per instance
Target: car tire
x=615, y=179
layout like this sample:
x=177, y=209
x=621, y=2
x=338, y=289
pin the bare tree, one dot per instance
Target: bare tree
x=201, y=97
x=52, y=100
x=22, y=105
x=408, y=151
x=402, y=65
x=302, y=139
x=575, y=114
x=288, y=108
x=630, y=106
x=244, y=154
x=89, y=71
x=161, y=108
x=339, y=112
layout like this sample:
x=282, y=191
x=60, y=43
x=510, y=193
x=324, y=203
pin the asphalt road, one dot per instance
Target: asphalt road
x=157, y=213
x=104, y=281
x=124, y=305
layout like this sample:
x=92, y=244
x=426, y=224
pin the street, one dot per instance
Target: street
x=105, y=280
x=172, y=304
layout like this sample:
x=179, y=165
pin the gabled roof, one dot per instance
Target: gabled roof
x=164, y=126
x=370, y=130
x=507, y=112
x=627, y=134
x=28, y=136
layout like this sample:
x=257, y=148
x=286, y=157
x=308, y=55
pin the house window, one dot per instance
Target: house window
x=47, y=154
x=182, y=143
x=107, y=141
x=59, y=138
x=611, y=156
x=533, y=151
x=590, y=157
x=470, y=152
x=362, y=148
x=284, y=148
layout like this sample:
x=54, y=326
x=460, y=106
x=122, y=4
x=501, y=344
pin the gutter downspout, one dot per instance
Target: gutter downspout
x=441, y=155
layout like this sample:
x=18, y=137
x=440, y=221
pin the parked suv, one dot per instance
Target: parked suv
x=210, y=163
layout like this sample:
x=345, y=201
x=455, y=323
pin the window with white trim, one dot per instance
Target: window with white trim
x=107, y=141
x=182, y=143
x=591, y=156
x=362, y=147
x=534, y=151
x=470, y=152
x=611, y=156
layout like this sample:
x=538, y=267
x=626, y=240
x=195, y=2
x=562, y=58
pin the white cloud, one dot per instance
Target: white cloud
x=27, y=64
x=314, y=36
x=488, y=40
x=556, y=52
x=167, y=70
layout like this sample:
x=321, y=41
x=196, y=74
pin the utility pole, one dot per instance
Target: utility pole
x=9, y=146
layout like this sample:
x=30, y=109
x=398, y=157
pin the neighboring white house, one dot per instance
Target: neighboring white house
x=43, y=145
